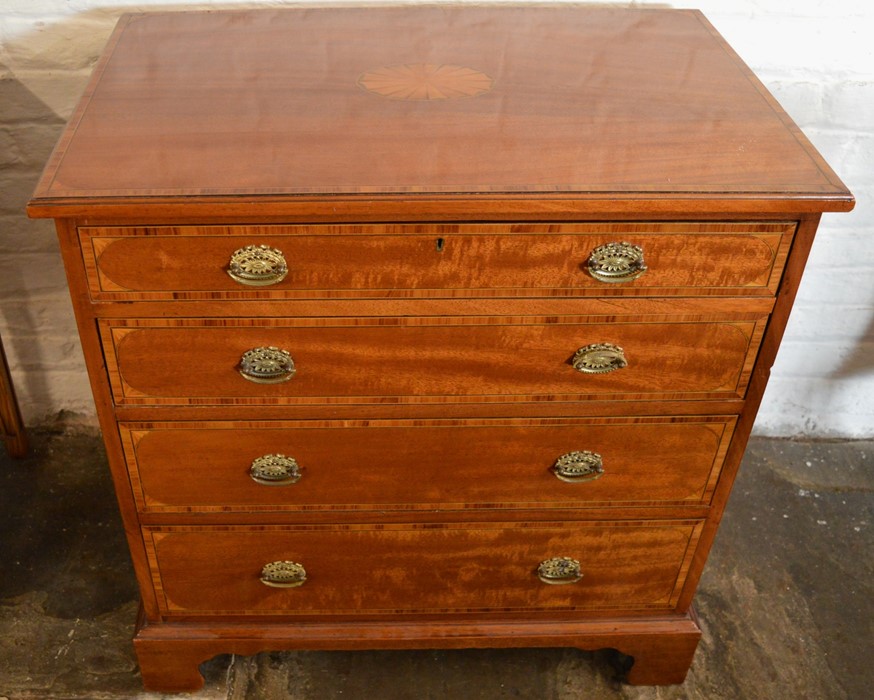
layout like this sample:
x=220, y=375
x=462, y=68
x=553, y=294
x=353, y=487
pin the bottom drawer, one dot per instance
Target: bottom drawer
x=423, y=568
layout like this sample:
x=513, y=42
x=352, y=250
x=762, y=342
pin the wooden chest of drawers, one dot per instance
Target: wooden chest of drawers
x=427, y=327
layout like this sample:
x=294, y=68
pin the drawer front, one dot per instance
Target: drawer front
x=394, y=569
x=379, y=465
x=373, y=360
x=432, y=261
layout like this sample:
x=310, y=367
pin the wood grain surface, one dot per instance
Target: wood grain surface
x=431, y=360
x=583, y=100
x=394, y=569
x=435, y=261
x=169, y=655
x=423, y=465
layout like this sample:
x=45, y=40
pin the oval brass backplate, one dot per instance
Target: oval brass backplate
x=616, y=262
x=257, y=266
x=283, y=574
x=559, y=571
x=599, y=358
x=267, y=365
x=578, y=466
x=275, y=470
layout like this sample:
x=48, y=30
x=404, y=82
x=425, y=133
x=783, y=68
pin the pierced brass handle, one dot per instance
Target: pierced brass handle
x=267, y=365
x=275, y=470
x=283, y=574
x=258, y=266
x=616, y=262
x=599, y=358
x=574, y=467
x=559, y=571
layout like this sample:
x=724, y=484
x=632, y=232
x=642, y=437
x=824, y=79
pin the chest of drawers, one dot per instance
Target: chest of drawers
x=427, y=327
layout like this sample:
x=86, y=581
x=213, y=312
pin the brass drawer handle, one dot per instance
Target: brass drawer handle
x=599, y=358
x=267, y=365
x=574, y=467
x=616, y=262
x=275, y=470
x=283, y=574
x=258, y=266
x=559, y=571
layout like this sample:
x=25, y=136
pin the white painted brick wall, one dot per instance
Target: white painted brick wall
x=815, y=55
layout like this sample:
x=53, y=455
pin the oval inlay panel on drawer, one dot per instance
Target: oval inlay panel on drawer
x=393, y=569
x=344, y=465
x=424, y=360
x=434, y=260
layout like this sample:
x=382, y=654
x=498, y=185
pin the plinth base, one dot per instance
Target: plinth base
x=170, y=653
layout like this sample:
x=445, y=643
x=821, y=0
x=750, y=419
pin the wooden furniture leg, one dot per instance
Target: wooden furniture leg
x=171, y=668
x=13, y=434
x=664, y=661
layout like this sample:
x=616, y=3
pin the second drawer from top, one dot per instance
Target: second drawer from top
x=427, y=360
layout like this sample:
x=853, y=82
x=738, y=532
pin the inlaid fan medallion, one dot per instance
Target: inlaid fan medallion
x=425, y=81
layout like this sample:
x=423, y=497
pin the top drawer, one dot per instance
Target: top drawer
x=445, y=260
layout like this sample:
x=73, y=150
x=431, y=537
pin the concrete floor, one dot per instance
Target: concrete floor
x=786, y=602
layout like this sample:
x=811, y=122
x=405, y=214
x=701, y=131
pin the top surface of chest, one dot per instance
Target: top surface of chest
x=436, y=100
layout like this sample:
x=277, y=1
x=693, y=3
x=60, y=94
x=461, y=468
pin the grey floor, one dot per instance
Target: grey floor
x=786, y=601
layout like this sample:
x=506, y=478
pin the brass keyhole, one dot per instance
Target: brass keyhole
x=440, y=244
